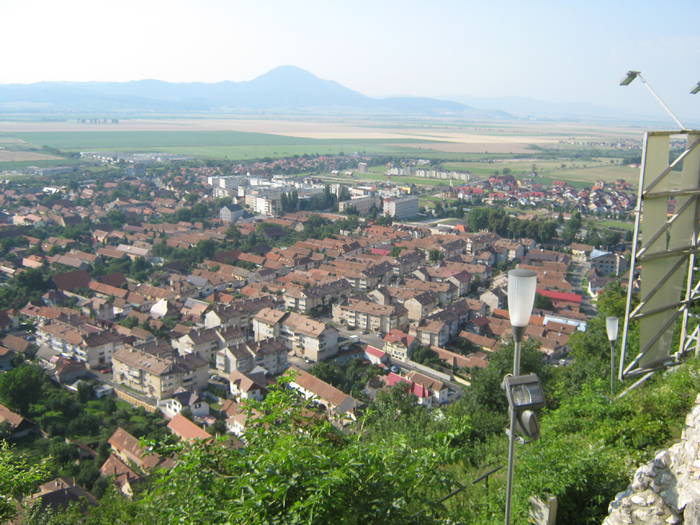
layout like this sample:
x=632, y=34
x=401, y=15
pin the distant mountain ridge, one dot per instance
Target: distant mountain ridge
x=285, y=88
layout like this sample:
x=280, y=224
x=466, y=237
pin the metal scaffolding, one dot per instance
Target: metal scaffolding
x=665, y=247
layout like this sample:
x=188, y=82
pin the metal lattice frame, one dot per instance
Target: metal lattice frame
x=665, y=245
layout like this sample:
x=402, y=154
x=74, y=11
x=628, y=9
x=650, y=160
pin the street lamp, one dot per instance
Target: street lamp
x=522, y=285
x=611, y=325
x=696, y=89
x=629, y=78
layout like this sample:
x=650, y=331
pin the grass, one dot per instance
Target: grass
x=614, y=225
x=377, y=177
x=18, y=165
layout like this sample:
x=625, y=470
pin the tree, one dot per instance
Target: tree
x=542, y=302
x=486, y=382
x=320, y=475
x=435, y=256
x=22, y=386
x=18, y=477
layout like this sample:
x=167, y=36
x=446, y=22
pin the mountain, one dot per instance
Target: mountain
x=284, y=89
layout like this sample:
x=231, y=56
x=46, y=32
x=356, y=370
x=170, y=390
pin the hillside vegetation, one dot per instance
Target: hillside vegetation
x=401, y=460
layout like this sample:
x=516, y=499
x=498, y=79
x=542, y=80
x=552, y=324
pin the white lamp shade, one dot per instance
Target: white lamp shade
x=522, y=285
x=611, y=324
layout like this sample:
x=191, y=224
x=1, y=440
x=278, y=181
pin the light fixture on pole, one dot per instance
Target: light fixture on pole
x=611, y=325
x=696, y=89
x=522, y=286
x=629, y=78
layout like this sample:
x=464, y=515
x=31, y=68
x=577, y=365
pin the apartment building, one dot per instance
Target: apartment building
x=86, y=343
x=304, y=336
x=367, y=315
x=158, y=377
x=270, y=354
x=401, y=208
x=303, y=299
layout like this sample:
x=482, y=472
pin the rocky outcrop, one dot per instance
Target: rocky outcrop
x=665, y=491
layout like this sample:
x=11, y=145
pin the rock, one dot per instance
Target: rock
x=665, y=491
x=662, y=459
x=638, y=500
x=691, y=514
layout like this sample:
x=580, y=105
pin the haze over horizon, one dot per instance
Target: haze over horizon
x=541, y=50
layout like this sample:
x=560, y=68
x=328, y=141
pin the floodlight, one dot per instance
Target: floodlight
x=631, y=75
x=696, y=89
x=524, y=392
x=611, y=324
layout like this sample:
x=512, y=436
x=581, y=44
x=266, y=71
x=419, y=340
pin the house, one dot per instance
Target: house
x=72, y=281
x=428, y=391
x=335, y=401
x=376, y=356
x=202, y=342
x=399, y=345
x=18, y=426
x=163, y=308
x=238, y=314
x=580, y=252
x=419, y=306
x=432, y=333
x=66, y=371
x=128, y=449
x=182, y=399
x=606, y=263
x=124, y=477
x=435, y=389
x=453, y=359
x=481, y=342
x=247, y=386
x=186, y=430
x=61, y=492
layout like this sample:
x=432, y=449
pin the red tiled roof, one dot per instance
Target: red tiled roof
x=185, y=429
x=560, y=296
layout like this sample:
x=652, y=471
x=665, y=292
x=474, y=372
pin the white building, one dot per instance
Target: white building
x=401, y=208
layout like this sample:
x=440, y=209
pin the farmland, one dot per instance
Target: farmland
x=482, y=148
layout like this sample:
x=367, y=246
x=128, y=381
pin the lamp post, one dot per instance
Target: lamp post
x=611, y=325
x=522, y=285
x=629, y=78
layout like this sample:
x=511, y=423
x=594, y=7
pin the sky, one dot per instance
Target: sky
x=573, y=51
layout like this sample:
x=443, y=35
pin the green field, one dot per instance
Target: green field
x=614, y=225
x=18, y=165
x=248, y=146
x=230, y=145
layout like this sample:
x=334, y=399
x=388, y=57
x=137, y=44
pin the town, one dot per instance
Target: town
x=177, y=293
